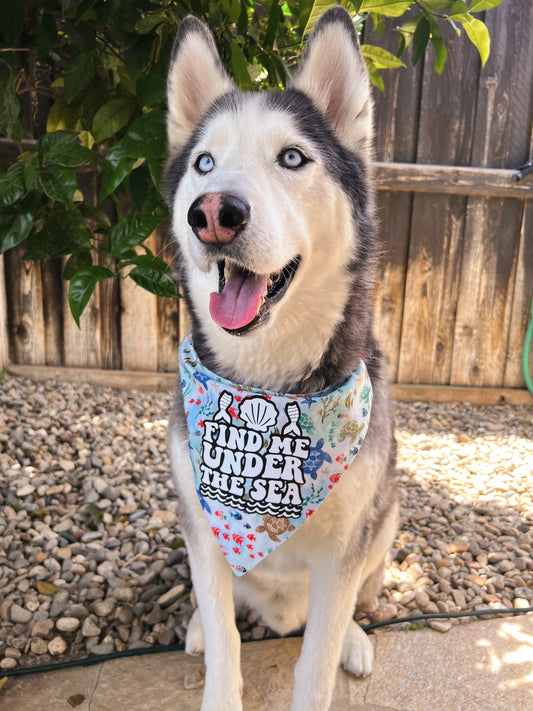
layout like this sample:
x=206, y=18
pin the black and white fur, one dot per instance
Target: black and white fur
x=314, y=335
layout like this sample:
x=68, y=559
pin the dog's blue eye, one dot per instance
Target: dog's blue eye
x=204, y=163
x=292, y=158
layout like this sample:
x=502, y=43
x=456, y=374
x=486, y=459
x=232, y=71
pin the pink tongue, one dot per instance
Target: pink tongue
x=239, y=302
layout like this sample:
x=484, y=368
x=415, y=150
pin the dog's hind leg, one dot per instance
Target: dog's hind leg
x=377, y=559
x=194, y=640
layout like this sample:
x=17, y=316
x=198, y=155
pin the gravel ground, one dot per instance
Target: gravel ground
x=91, y=557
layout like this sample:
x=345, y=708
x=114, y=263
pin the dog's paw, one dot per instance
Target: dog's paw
x=357, y=651
x=194, y=639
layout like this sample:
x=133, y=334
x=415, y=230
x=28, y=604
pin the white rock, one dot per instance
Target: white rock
x=25, y=490
x=57, y=646
x=67, y=624
x=19, y=614
x=8, y=663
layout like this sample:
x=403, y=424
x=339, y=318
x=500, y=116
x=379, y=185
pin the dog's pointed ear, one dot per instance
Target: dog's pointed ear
x=196, y=78
x=334, y=76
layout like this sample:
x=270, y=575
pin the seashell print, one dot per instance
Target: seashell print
x=259, y=414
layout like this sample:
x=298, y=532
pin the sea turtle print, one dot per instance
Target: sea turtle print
x=316, y=459
x=351, y=430
x=274, y=526
x=306, y=423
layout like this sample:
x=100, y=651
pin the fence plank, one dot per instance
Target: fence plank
x=522, y=304
x=394, y=215
x=395, y=140
x=139, y=324
x=485, y=291
x=502, y=136
x=451, y=180
x=4, y=338
x=142, y=380
x=24, y=307
x=167, y=310
x=53, y=316
x=444, y=137
x=82, y=345
x=110, y=328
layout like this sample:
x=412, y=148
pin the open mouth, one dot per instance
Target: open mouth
x=244, y=298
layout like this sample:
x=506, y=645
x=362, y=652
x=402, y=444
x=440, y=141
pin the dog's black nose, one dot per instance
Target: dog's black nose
x=218, y=217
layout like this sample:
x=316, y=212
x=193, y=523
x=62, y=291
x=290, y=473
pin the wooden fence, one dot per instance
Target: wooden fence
x=455, y=286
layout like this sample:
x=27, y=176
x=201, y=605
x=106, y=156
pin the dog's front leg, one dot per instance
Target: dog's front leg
x=212, y=580
x=331, y=604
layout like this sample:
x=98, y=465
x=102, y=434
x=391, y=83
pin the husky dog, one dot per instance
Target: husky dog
x=273, y=216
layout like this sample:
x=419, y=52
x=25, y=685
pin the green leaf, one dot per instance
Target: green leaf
x=479, y=36
x=150, y=21
x=59, y=231
x=240, y=67
x=437, y=40
x=151, y=89
x=99, y=221
x=117, y=167
x=459, y=8
x=138, y=56
x=73, y=154
x=420, y=40
x=476, y=30
x=381, y=57
x=130, y=232
x=12, y=21
x=140, y=184
x=480, y=5
x=153, y=275
x=111, y=117
x=389, y=8
x=79, y=74
x=76, y=262
x=318, y=7
x=439, y=4
x=47, y=33
x=82, y=286
x=274, y=18
x=12, y=186
x=57, y=182
x=15, y=225
x=146, y=137
x=60, y=117
x=375, y=76
x=10, y=107
x=30, y=168
x=63, y=148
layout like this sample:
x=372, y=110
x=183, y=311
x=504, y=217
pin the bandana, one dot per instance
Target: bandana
x=263, y=461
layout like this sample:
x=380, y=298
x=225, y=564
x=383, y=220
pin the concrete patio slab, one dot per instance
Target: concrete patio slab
x=485, y=665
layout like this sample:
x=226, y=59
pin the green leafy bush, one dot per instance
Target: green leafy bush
x=89, y=189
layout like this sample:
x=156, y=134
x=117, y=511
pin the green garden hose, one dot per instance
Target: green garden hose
x=525, y=354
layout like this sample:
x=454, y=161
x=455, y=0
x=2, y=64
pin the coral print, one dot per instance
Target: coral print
x=263, y=462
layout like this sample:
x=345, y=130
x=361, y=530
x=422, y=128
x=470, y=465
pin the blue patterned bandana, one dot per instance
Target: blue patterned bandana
x=263, y=462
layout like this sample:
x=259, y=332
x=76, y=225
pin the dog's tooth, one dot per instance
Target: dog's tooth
x=270, y=283
x=226, y=271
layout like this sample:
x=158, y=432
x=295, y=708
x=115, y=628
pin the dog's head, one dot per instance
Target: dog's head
x=268, y=189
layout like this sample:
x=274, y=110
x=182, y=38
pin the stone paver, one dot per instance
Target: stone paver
x=485, y=665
